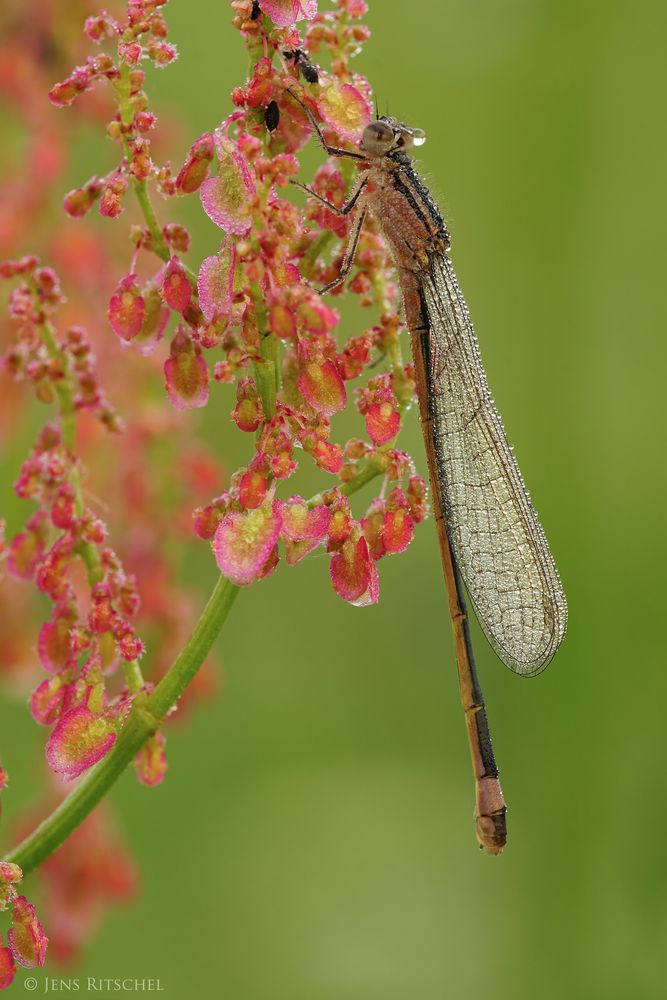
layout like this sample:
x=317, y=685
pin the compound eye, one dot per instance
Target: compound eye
x=378, y=138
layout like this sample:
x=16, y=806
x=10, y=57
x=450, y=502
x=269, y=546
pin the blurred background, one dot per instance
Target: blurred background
x=314, y=837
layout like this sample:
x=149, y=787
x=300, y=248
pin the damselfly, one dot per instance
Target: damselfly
x=489, y=533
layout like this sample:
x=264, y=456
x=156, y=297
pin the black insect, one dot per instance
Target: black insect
x=272, y=116
x=256, y=10
x=310, y=73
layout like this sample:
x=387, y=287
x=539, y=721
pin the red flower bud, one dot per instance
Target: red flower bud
x=252, y=489
x=127, y=308
x=186, y=373
x=176, y=286
x=354, y=574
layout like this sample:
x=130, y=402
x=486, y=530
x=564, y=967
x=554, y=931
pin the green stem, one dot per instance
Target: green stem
x=63, y=387
x=160, y=245
x=147, y=713
x=267, y=367
x=133, y=676
x=365, y=475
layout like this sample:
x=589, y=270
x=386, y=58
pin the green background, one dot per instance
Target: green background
x=314, y=839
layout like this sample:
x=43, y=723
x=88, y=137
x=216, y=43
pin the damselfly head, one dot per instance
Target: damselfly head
x=387, y=135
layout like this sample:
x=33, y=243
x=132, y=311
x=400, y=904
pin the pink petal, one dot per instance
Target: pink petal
x=126, y=308
x=26, y=936
x=417, y=497
x=320, y=383
x=186, y=374
x=316, y=315
x=226, y=199
x=47, y=700
x=79, y=740
x=54, y=644
x=156, y=316
x=301, y=523
x=345, y=109
x=286, y=12
x=176, y=286
x=196, y=167
x=282, y=321
x=252, y=489
x=327, y=456
x=373, y=525
x=7, y=967
x=245, y=541
x=354, y=574
x=397, y=531
x=10, y=872
x=25, y=552
x=216, y=282
x=383, y=422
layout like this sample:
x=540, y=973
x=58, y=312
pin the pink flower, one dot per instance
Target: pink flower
x=176, y=286
x=186, y=373
x=345, y=109
x=302, y=523
x=227, y=198
x=7, y=967
x=10, y=876
x=156, y=317
x=127, y=308
x=303, y=528
x=398, y=527
x=383, y=422
x=46, y=701
x=54, y=644
x=195, y=170
x=26, y=937
x=319, y=382
x=326, y=455
x=244, y=542
x=354, y=574
x=286, y=12
x=252, y=489
x=79, y=740
x=216, y=282
x=417, y=497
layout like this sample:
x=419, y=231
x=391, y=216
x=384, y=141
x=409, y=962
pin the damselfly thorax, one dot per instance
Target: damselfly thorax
x=488, y=530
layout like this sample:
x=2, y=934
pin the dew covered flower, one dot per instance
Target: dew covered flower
x=79, y=740
x=286, y=12
x=26, y=937
x=244, y=542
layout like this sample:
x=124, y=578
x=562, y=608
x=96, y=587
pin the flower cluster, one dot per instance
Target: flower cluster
x=246, y=320
x=26, y=940
x=89, y=631
x=253, y=303
x=279, y=335
x=62, y=547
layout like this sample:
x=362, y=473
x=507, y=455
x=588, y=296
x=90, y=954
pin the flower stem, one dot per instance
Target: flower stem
x=159, y=245
x=147, y=714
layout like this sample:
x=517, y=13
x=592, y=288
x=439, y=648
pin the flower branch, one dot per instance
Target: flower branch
x=148, y=712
